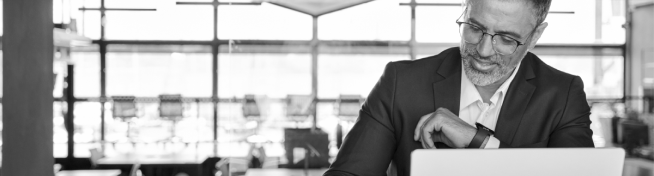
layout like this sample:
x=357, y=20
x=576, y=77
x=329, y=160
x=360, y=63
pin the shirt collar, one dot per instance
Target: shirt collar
x=469, y=93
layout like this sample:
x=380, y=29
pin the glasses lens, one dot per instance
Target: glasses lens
x=473, y=34
x=504, y=44
x=470, y=33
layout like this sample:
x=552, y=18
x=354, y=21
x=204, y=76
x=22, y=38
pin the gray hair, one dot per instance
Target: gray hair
x=541, y=8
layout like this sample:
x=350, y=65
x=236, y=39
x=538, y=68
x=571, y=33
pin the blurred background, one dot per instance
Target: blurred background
x=278, y=84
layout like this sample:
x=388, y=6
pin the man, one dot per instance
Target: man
x=489, y=93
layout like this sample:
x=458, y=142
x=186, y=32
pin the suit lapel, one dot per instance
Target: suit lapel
x=447, y=89
x=516, y=101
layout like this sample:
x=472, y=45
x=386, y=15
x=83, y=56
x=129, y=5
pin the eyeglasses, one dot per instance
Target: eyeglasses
x=502, y=44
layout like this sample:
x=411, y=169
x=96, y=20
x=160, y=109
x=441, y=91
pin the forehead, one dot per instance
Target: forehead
x=503, y=15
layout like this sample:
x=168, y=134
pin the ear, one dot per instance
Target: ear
x=536, y=35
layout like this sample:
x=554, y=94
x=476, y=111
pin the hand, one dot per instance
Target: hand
x=443, y=126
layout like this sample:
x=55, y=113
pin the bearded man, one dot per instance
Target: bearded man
x=490, y=92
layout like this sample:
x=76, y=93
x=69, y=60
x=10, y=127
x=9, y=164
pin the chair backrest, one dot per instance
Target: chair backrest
x=170, y=106
x=124, y=107
x=95, y=156
x=297, y=142
x=209, y=166
x=135, y=171
x=299, y=107
x=349, y=105
x=251, y=108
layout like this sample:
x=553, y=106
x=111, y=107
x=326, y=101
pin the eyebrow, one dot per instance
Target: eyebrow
x=504, y=32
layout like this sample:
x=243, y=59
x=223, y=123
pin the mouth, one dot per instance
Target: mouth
x=483, y=66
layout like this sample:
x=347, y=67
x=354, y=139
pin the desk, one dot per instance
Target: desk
x=638, y=166
x=113, y=172
x=155, y=165
x=284, y=172
x=151, y=160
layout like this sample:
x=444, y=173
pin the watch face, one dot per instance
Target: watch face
x=482, y=127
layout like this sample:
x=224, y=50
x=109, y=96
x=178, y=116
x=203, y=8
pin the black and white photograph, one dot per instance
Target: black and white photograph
x=327, y=87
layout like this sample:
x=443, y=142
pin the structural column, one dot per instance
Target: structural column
x=27, y=88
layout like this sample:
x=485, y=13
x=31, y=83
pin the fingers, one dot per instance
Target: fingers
x=428, y=125
x=423, y=119
x=437, y=137
x=421, y=138
x=426, y=138
x=441, y=126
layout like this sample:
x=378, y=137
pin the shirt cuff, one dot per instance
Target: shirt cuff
x=493, y=143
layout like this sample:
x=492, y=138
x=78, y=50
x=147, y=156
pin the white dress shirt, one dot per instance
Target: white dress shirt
x=472, y=108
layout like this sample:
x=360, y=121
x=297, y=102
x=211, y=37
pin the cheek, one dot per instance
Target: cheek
x=506, y=60
x=510, y=61
x=517, y=57
x=470, y=49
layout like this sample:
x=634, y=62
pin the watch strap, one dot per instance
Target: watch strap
x=480, y=136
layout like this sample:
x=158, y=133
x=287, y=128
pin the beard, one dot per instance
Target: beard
x=480, y=78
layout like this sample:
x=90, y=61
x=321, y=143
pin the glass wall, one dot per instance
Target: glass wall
x=274, y=75
x=151, y=70
x=377, y=20
x=148, y=71
x=355, y=78
x=263, y=22
x=265, y=51
x=603, y=76
x=169, y=22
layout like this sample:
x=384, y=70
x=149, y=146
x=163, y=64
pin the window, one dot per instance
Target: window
x=375, y=20
x=89, y=24
x=264, y=22
x=152, y=70
x=167, y=23
x=273, y=74
x=87, y=128
x=603, y=76
x=357, y=77
x=436, y=24
x=195, y=125
x=265, y=58
x=87, y=71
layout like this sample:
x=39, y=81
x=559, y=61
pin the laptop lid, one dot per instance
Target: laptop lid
x=509, y=162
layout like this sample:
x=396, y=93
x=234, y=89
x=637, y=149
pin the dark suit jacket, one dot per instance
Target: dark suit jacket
x=543, y=107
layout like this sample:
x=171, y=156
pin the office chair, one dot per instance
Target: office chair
x=171, y=109
x=251, y=110
x=124, y=109
x=299, y=107
x=252, y=113
x=135, y=171
x=95, y=156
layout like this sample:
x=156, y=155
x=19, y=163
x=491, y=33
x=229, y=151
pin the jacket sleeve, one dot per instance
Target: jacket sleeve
x=369, y=146
x=573, y=128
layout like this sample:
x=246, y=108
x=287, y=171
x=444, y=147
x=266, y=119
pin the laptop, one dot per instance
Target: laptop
x=510, y=162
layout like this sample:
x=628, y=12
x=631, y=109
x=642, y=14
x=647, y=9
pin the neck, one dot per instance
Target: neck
x=487, y=91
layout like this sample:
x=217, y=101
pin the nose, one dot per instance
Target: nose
x=485, y=46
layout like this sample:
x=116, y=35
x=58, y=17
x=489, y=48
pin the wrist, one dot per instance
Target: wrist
x=483, y=145
x=481, y=137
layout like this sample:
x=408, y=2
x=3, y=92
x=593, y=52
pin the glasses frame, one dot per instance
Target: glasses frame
x=484, y=33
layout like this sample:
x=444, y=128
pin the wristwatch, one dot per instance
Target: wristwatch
x=482, y=133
